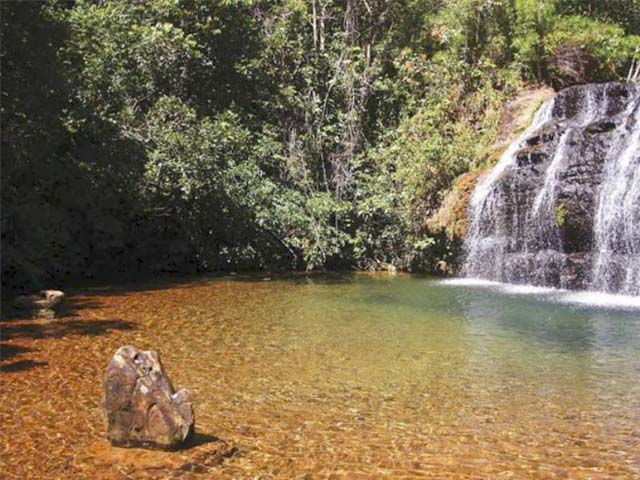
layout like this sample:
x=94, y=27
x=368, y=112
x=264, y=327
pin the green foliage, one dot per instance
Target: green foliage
x=123, y=56
x=404, y=179
x=533, y=22
x=559, y=214
x=622, y=12
x=479, y=30
x=199, y=135
x=581, y=49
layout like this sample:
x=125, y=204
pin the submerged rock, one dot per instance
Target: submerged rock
x=141, y=405
x=40, y=304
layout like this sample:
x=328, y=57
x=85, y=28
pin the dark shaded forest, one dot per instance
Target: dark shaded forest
x=141, y=137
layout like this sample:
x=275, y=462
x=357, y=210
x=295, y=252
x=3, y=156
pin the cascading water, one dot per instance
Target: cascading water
x=487, y=237
x=617, y=222
x=562, y=206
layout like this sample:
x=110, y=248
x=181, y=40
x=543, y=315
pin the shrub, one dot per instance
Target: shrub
x=581, y=50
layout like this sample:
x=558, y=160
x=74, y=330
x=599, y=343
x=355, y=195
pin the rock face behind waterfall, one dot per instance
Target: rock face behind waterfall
x=562, y=206
x=141, y=406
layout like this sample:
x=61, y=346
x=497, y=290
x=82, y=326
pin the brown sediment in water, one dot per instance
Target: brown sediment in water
x=290, y=381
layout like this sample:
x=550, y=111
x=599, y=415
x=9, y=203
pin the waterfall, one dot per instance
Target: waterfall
x=483, y=190
x=617, y=222
x=562, y=205
x=546, y=196
x=485, y=235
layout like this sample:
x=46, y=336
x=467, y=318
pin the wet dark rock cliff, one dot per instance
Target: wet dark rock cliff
x=558, y=209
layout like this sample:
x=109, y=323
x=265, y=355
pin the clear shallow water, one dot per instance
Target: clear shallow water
x=341, y=376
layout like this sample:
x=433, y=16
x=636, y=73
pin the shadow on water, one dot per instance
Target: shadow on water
x=72, y=307
x=37, y=329
x=61, y=328
x=8, y=351
x=320, y=278
x=199, y=439
x=106, y=287
x=116, y=287
x=69, y=307
x=202, y=462
x=21, y=365
x=81, y=297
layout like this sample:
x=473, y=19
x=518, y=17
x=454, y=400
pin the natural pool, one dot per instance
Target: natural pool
x=336, y=376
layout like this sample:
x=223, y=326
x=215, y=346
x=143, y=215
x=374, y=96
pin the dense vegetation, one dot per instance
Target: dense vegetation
x=197, y=135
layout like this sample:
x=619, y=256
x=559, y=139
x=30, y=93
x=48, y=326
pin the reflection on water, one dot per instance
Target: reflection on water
x=337, y=376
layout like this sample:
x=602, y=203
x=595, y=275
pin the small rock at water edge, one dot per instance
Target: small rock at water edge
x=40, y=304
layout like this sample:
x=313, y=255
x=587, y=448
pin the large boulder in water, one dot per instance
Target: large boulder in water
x=141, y=405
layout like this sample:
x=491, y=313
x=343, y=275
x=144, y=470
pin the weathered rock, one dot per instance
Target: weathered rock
x=538, y=223
x=40, y=304
x=141, y=406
